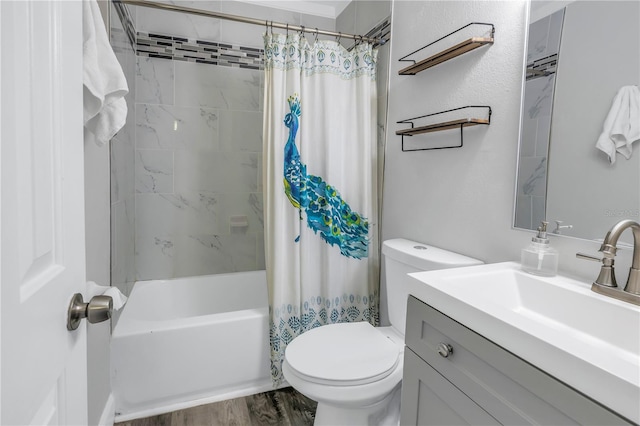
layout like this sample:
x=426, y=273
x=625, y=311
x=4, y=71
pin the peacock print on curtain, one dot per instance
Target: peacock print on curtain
x=319, y=174
x=326, y=212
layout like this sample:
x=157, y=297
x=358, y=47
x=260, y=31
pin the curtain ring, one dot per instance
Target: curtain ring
x=339, y=37
x=316, y=39
x=287, y=29
x=301, y=30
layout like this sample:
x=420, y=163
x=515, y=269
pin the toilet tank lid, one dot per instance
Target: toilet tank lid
x=423, y=256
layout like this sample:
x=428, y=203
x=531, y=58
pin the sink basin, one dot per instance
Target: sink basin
x=559, y=302
x=587, y=340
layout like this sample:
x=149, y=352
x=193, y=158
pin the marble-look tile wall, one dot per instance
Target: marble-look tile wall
x=544, y=41
x=197, y=174
x=122, y=169
x=198, y=156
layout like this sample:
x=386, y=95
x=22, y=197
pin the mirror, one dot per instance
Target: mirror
x=580, y=55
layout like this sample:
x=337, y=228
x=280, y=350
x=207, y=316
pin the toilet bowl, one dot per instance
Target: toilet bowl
x=354, y=370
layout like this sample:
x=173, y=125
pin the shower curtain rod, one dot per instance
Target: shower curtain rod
x=243, y=19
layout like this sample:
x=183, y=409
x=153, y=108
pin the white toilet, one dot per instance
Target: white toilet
x=354, y=370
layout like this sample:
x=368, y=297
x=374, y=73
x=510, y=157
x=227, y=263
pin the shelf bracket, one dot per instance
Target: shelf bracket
x=437, y=147
x=439, y=126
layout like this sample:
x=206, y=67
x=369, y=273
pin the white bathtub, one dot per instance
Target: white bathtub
x=190, y=341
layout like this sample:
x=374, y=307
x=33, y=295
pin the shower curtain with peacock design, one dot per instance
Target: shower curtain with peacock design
x=319, y=176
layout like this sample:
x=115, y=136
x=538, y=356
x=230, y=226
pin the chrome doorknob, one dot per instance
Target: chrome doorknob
x=98, y=309
x=445, y=349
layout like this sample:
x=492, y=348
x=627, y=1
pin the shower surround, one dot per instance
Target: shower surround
x=197, y=163
x=186, y=173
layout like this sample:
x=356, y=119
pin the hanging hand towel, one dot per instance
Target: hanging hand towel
x=622, y=125
x=105, y=86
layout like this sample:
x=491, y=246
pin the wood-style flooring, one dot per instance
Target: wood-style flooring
x=285, y=407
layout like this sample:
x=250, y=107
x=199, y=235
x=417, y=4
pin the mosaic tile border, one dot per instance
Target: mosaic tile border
x=199, y=51
x=203, y=51
x=542, y=67
x=381, y=31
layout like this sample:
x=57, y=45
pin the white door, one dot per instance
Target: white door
x=42, y=261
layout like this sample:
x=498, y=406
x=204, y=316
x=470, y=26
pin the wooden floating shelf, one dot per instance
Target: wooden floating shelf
x=454, y=124
x=449, y=53
x=469, y=119
x=445, y=55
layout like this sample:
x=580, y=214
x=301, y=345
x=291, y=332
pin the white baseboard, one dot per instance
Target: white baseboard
x=108, y=416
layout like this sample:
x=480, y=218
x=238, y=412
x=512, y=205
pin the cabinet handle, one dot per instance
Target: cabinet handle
x=445, y=349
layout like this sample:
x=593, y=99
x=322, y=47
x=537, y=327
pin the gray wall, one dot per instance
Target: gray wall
x=97, y=244
x=97, y=268
x=122, y=170
x=103, y=242
x=462, y=199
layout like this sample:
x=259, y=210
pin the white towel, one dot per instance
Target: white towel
x=105, y=110
x=622, y=125
x=116, y=295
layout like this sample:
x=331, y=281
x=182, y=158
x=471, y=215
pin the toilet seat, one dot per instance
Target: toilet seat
x=345, y=354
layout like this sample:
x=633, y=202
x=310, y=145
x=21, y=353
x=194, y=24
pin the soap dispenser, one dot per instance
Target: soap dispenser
x=539, y=258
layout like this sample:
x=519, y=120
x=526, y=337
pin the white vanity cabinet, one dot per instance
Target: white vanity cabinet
x=454, y=376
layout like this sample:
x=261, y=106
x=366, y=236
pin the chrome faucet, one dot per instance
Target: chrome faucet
x=560, y=227
x=606, y=281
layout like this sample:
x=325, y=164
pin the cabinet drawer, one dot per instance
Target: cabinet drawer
x=430, y=399
x=507, y=387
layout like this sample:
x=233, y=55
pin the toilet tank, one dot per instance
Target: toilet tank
x=404, y=256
